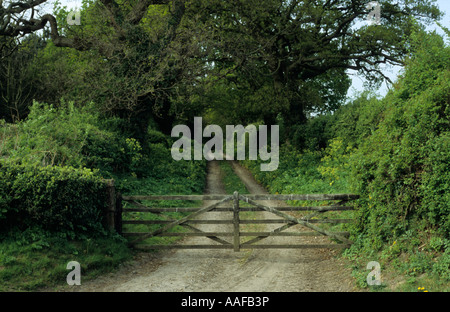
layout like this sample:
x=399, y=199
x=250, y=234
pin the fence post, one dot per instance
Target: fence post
x=110, y=209
x=118, y=214
x=236, y=241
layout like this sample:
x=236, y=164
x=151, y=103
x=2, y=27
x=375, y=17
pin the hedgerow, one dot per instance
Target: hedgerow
x=57, y=199
x=395, y=153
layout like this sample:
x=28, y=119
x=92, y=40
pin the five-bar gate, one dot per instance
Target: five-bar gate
x=233, y=240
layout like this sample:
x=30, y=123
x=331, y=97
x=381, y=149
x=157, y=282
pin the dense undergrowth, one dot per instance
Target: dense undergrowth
x=395, y=153
x=52, y=171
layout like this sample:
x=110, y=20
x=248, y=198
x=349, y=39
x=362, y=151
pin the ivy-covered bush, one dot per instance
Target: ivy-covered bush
x=402, y=168
x=72, y=136
x=54, y=198
x=394, y=152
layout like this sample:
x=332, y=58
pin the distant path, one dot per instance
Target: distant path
x=197, y=270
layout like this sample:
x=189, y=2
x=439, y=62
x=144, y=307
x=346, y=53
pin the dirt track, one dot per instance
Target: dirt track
x=197, y=270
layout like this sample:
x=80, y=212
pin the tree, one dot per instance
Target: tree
x=137, y=74
x=307, y=47
x=17, y=83
x=294, y=55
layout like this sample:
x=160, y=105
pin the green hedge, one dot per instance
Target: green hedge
x=60, y=199
x=402, y=167
x=68, y=135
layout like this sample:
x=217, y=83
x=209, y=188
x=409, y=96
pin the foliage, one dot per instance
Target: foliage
x=357, y=120
x=65, y=73
x=53, y=142
x=17, y=76
x=292, y=57
x=71, y=136
x=442, y=265
x=335, y=163
x=230, y=180
x=276, y=62
x=51, y=212
x=166, y=177
x=394, y=153
x=149, y=61
x=59, y=199
x=134, y=68
x=297, y=173
x=403, y=166
x=312, y=135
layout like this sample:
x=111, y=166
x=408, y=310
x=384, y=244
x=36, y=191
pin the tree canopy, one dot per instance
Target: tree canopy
x=169, y=60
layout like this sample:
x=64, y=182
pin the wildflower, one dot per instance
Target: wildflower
x=422, y=288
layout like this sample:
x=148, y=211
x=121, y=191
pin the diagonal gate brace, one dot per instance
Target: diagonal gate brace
x=182, y=220
x=297, y=221
x=214, y=238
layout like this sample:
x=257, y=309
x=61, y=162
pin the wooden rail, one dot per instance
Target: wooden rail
x=315, y=197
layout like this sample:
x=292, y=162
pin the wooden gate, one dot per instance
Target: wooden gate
x=234, y=237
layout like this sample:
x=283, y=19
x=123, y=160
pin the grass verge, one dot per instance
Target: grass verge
x=29, y=261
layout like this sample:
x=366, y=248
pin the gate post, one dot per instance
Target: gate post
x=118, y=214
x=236, y=241
x=109, y=213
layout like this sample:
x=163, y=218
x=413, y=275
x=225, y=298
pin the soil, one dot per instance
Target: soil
x=223, y=270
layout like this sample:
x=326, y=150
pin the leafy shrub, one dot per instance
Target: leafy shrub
x=314, y=134
x=59, y=199
x=403, y=165
x=155, y=137
x=435, y=187
x=442, y=265
x=72, y=136
x=395, y=153
x=44, y=150
x=357, y=120
x=297, y=173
